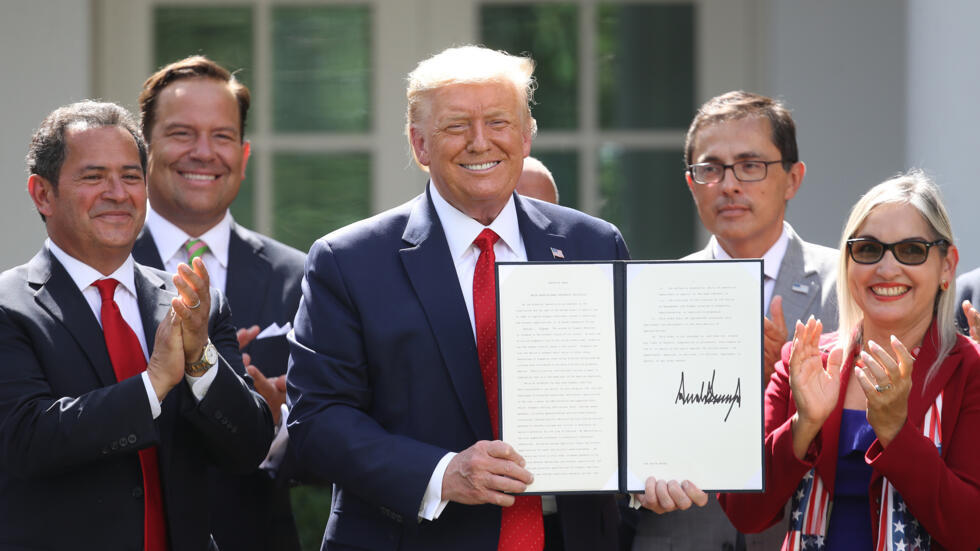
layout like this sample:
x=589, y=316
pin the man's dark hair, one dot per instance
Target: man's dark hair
x=196, y=66
x=739, y=105
x=48, y=148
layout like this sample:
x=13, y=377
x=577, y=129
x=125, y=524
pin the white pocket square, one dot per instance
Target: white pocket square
x=275, y=330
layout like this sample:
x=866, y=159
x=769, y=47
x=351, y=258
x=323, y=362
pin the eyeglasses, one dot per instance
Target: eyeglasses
x=744, y=171
x=911, y=252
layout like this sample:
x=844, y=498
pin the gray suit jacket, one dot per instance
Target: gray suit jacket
x=807, y=282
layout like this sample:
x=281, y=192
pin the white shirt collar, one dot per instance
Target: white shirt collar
x=773, y=258
x=461, y=230
x=170, y=239
x=84, y=275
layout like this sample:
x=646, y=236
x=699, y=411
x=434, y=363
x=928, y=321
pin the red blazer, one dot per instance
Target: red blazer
x=941, y=491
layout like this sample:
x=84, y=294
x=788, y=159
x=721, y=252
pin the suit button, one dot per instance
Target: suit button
x=217, y=414
x=132, y=438
x=138, y=492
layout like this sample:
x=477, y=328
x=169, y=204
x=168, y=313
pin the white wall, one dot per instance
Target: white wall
x=45, y=59
x=840, y=66
x=943, y=116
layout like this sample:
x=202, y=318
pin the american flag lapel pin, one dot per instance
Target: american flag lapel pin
x=801, y=288
x=557, y=254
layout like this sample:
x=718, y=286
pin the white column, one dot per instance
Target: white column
x=46, y=63
x=943, y=114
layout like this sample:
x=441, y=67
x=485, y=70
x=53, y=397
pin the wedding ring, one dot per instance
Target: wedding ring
x=879, y=388
x=196, y=305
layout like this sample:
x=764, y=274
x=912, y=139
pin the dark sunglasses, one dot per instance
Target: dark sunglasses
x=911, y=252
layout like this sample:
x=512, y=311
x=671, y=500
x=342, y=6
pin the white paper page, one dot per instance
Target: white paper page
x=696, y=323
x=558, y=373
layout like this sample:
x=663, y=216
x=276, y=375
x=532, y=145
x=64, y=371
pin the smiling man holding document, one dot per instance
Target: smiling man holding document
x=393, y=375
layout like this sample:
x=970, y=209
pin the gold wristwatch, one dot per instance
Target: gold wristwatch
x=209, y=358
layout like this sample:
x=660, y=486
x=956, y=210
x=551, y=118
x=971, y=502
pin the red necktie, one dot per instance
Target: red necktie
x=127, y=359
x=521, y=524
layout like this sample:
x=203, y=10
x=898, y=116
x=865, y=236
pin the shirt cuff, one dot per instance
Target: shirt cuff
x=432, y=502
x=151, y=395
x=278, y=448
x=635, y=501
x=200, y=385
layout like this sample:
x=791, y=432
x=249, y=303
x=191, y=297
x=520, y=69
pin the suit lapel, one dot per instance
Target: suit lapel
x=798, y=284
x=248, y=275
x=919, y=402
x=153, y=301
x=60, y=297
x=539, y=242
x=431, y=271
x=154, y=304
x=145, y=250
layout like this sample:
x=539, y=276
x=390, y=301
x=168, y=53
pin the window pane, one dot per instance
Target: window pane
x=318, y=193
x=321, y=69
x=223, y=34
x=564, y=168
x=646, y=66
x=243, y=207
x=549, y=34
x=644, y=194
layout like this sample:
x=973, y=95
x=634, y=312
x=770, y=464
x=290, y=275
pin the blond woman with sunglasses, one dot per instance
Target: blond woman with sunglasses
x=873, y=432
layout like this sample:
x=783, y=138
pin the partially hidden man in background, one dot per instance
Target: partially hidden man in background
x=743, y=168
x=193, y=117
x=392, y=380
x=114, y=401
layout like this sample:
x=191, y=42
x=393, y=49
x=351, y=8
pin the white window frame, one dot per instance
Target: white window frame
x=728, y=43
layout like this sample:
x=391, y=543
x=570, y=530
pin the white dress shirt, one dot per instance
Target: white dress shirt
x=771, y=261
x=85, y=277
x=170, y=244
x=461, y=231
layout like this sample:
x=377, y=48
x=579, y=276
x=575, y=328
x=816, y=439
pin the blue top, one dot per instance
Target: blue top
x=850, y=518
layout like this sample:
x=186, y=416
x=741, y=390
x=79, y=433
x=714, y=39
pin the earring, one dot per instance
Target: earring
x=944, y=285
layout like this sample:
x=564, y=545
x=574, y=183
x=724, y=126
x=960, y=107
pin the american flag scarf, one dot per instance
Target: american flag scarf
x=897, y=528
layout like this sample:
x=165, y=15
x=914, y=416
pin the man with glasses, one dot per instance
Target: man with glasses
x=743, y=168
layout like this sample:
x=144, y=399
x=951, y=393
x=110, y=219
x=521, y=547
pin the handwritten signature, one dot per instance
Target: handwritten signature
x=708, y=396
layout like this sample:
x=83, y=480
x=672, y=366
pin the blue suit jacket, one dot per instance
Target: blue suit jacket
x=384, y=377
x=69, y=433
x=252, y=512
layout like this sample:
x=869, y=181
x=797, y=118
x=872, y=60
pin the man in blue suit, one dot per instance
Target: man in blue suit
x=388, y=399
x=107, y=432
x=194, y=115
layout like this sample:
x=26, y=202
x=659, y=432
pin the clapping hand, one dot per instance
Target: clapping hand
x=815, y=389
x=193, y=306
x=972, y=320
x=272, y=389
x=887, y=384
x=775, y=337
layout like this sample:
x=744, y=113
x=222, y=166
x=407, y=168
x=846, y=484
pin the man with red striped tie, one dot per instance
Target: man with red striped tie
x=120, y=385
x=394, y=357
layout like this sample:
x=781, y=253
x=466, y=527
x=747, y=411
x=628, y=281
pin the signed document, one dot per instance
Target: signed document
x=611, y=372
